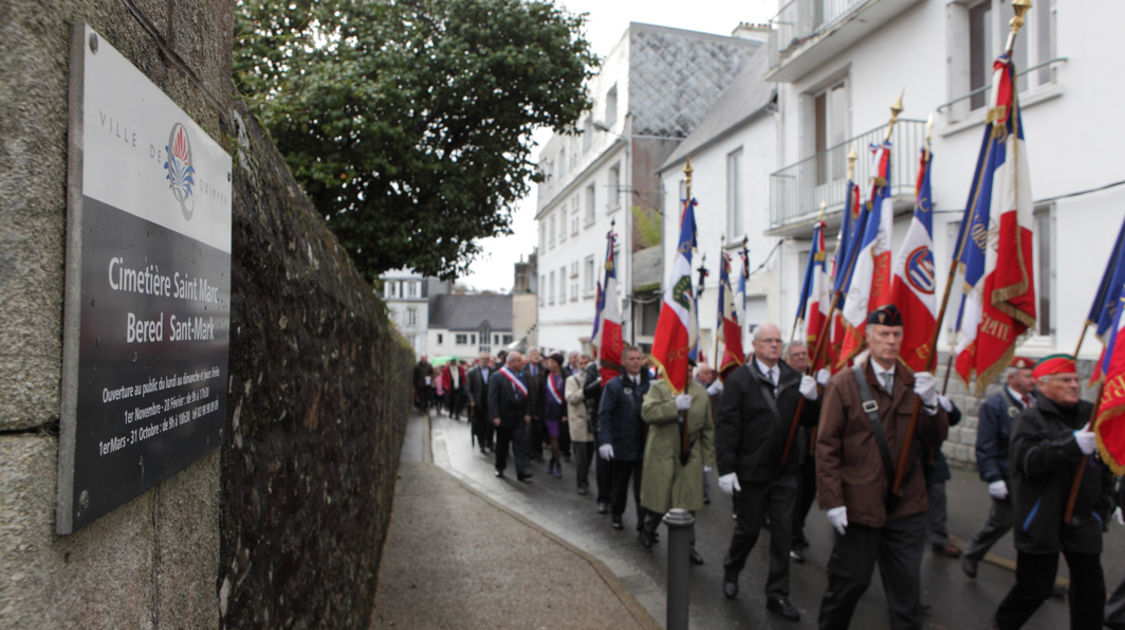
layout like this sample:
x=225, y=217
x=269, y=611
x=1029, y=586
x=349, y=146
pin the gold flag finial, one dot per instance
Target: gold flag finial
x=852, y=157
x=823, y=209
x=896, y=109
x=1020, y=7
x=687, y=177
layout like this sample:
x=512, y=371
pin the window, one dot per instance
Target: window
x=563, y=164
x=1044, y=261
x=551, y=228
x=614, y=186
x=562, y=284
x=496, y=339
x=542, y=235
x=588, y=278
x=562, y=223
x=611, y=106
x=473, y=338
x=542, y=287
x=830, y=130
x=507, y=339
x=980, y=52
x=551, y=289
x=461, y=339
x=587, y=133
x=574, y=281
x=734, y=194
x=411, y=316
x=591, y=198
x=574, y=215
x=439, y=339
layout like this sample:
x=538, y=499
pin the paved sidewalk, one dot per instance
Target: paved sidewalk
x=455, y=559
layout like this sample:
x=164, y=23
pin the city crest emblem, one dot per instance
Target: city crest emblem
x=180, y=170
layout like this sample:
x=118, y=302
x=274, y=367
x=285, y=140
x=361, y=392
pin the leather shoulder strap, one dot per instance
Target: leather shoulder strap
x=871, y=408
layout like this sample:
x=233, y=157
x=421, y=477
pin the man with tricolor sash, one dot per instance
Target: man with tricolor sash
x=1050, y=441
x=508, y=402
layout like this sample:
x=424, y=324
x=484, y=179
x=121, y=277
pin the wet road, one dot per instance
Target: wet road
x=955, y=600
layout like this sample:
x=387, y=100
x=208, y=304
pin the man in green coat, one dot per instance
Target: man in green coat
x=667, y=483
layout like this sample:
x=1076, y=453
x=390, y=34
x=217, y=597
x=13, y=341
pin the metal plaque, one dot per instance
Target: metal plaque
x=147, y=308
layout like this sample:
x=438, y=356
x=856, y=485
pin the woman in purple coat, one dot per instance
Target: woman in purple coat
x=554, y=409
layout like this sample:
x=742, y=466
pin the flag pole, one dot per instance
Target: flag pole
x=1077, y=483
x=718, y=326
x=684, y=414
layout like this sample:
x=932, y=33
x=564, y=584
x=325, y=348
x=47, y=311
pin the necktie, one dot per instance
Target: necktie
x=1026, y=400
x=773, y=376
x=888, y=382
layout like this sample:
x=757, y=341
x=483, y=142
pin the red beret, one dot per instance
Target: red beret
x=1023, y=363
x=1054, y=364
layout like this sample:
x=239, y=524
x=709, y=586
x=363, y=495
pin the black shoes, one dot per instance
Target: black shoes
x=616, y=522
x=730, y=586
x=583, y=490
x=781, y=606
x=969, y=566
x=797, y=555
x=646, y=539
x=695, y=557
x=523, y=476
x=603, y=507
x=499, y=474
x=949, y=551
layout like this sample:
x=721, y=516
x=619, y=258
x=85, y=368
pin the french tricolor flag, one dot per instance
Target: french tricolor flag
x=913, y=288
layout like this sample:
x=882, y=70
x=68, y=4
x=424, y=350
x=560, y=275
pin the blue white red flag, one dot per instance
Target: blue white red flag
x=815, y=301
x=851, y=226
x=612, y=344
x=871, y=273
x=729, y=321
x=677, y=328
x=1109, y=423
x=998, y=307
x=1103, y=312
x=599, y=304
x=913, y=287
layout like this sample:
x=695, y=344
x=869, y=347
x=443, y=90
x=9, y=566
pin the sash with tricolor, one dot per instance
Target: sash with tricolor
x=998, y=306
x=553, y=384
x=677, y=327
x=515, y=381
x=729, y=321
x=913, y=287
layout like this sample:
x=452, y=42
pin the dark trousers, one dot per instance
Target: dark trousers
x=998, y=523
x=515, y=437
x=583, y=454
x=603, y=473
x=1115, y=608
x=806, y=493
x=482, y=426
x=536, y=433
x=620, y=474
x=456, y=402
x=936, y=529
x=564, y=440
x=1035, y=576
x=897, y=546
x=754, y=501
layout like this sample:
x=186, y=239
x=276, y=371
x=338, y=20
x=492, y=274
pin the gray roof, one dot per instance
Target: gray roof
x=468, y=312
x=747, y=95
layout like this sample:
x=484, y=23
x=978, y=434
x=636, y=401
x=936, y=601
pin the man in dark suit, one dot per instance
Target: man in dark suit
x=993, y=433
x=478, y=402
x=422, y=378
x=622, y=433
x=758, y=404
x=535, y=375
x=508, y=404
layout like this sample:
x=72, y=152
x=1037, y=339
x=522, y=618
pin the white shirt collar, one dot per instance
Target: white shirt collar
x=1014, y=394
x=879, y=371
x=765, y=369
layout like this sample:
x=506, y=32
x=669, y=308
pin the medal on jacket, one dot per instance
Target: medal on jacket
x=515, y=381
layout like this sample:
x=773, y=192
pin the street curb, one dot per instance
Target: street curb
x=638, y=612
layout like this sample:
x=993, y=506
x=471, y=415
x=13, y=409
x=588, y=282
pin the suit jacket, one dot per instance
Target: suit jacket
x=994, y=430
x=849, y=466
x=749, y=435
x=478, y=387
x=535, y=385
x=619, y=417
x=505, y=401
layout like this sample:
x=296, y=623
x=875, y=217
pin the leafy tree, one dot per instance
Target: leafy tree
x=408, y=122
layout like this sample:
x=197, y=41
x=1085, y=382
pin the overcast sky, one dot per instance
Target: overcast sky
x=605, y=24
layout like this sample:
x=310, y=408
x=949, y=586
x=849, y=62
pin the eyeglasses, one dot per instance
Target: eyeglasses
x=771, y=340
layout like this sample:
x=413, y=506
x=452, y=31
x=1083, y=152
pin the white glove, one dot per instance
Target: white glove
x=926, y=387
x=807, y=387
x=945, y=403
x=728, y=483
x=838, y=516
x=715, y=388
x=1086, y=441
x=606, y=451
x=822, y=376
x=683, y=402
x=998, y=490
x=1117, y=516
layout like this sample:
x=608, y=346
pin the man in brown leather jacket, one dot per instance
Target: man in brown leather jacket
x=854, y=482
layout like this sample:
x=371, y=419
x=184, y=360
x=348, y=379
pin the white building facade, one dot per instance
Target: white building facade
x=463, y=326
x=652, y=90
x=407, y=295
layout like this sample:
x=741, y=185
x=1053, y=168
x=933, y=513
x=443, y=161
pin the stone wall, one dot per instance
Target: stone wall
x=284, y=524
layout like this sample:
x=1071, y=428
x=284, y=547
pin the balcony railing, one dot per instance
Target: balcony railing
x=797, y=191
x=800, y=20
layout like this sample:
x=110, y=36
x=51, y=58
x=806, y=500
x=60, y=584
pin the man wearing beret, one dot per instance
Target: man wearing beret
x=1050, y=440
x=863, y=424
x=993, y=433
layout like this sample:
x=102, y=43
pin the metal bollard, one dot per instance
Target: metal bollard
x=680, y=526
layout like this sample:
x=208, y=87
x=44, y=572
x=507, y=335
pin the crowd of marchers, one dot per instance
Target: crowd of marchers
x=778, y=437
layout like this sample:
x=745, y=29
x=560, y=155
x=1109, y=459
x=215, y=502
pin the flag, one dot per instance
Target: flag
x=913, y=287
x=599, y=304
x=851, y=225
x=1109, y=425
x=729, y=321
x=1103, y=312
x=740, y=294
x=999, y=302
x=871, y=272
x=612, y=344
x=677, y=327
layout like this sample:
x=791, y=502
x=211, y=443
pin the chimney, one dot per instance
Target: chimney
x=752, y=32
